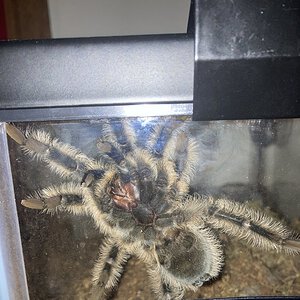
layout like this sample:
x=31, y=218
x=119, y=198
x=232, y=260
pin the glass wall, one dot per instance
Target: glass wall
x=153, y=164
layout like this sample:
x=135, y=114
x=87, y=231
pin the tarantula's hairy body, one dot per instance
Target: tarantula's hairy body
x=138, y=196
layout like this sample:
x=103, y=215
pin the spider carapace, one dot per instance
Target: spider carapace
x=137, y=191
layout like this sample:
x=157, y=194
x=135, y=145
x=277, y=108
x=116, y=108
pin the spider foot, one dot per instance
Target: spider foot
x=42, y=203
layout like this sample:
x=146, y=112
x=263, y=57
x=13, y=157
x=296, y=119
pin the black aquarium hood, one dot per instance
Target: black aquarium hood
x=238, y=60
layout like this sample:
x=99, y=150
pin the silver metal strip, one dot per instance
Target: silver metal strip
x=95, y=112
x=13, y=284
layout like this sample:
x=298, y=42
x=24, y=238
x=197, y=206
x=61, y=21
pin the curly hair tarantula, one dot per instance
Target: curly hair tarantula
x=138, y=194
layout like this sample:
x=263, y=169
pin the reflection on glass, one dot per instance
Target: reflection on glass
x=177, y=196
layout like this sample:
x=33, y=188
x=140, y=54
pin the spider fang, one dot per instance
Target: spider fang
x=124, y=195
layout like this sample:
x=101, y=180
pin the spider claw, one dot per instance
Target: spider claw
x=205, y=277
x=199, y=282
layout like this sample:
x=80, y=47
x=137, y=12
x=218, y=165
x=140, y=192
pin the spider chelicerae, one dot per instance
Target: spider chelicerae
x=138, y=193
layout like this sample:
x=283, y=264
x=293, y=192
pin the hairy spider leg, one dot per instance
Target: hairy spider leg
x=175, y=151
x=164, y=187
x=155, y=133
x=108, y=138
x=74, y=198
x=159, y=134
x=118, y=138
x=253, y=226
x=182, y=149
x=65, y=197
x=108, y=268
x=141, y=165
x=63, y=159
x=130, y=134
x=100, y=207
x=163, y=290
x=180, y=153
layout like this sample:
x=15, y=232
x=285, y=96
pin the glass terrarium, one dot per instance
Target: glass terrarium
x=127, y=186
x=139, y=172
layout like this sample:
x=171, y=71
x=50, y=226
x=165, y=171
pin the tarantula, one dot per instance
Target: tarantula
x=138, y=195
